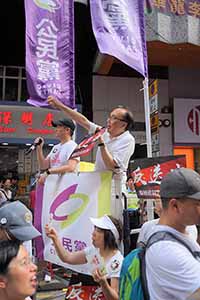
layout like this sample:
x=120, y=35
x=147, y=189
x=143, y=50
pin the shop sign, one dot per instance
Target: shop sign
x=177, y=7
x=186, y=121
x=27, y=122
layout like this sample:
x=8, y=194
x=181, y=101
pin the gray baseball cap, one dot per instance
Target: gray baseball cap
x=64, y=122
x=181, y=183
x=17, y=219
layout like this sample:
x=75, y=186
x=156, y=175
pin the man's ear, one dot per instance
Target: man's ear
x=2, y=282
x=124, y=125
x=174, y=204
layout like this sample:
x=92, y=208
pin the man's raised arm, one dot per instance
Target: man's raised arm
x=76, y=116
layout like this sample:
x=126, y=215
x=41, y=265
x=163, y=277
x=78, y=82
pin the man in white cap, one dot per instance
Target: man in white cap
x=172, y=267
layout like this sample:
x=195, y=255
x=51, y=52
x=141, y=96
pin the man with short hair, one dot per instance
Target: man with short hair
x=130, y=185
x=58, y=161
x=172, y=270
x=116, y=145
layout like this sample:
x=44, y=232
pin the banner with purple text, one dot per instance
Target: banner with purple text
x=119, y=29
x=67, y=202
x=50, y=51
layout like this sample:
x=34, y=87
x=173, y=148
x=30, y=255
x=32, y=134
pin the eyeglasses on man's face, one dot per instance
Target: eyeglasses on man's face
x=114, y=118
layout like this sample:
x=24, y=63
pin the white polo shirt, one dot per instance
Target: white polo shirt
x=121, y=148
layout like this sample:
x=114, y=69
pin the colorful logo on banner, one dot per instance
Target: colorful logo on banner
x=67, y=202
x=148, y=173
x=78, y=203
x=50, y=5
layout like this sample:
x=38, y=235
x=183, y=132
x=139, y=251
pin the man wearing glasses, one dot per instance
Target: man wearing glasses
x=116, y=145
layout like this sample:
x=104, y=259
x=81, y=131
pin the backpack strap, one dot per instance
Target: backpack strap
x=154, y=238
x=169, y=236
x=143, y=276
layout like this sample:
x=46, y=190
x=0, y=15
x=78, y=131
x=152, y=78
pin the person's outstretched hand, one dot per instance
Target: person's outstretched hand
x=54, y=102
x=51, y=232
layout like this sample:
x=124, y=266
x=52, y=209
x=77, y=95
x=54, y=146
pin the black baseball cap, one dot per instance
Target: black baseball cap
x=64, y=122
x=181, y=183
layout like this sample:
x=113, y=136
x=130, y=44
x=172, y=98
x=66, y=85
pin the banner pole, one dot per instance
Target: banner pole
x=147, y=116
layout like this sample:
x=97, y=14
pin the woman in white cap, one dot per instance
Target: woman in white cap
x=106, y=237
x=17, y=272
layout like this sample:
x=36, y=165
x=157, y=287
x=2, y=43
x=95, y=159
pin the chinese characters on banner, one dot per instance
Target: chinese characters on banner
x=178, y=7
x=50, y=51
x=79, y=292
x=118, y=27
x=148, y=173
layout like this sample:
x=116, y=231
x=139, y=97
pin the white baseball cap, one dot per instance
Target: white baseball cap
x=106, y=223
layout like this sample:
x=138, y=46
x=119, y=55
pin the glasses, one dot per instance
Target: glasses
x=114, y=118
x=26, y=262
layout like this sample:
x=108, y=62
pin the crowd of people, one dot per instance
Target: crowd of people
x=172, y=269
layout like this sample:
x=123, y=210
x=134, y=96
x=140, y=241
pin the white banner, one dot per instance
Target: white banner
x=68, y=203
x=187, y=121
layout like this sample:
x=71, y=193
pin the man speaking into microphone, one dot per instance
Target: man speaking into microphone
x=115, y=147
x=58, y=161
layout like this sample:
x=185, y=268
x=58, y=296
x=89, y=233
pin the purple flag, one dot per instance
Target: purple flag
x=119, y=29
x=50, y=50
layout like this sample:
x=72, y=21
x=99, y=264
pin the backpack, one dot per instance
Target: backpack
x=133, y=282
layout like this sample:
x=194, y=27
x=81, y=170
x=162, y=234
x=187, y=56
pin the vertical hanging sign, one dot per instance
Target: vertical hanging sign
x=154, y=117
x=50, y=51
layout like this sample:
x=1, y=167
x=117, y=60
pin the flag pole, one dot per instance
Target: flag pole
x=147, y=116
x=150, y=202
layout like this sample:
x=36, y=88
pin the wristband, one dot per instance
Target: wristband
x=101, y=145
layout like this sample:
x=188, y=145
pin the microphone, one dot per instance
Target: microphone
x=33, y=147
